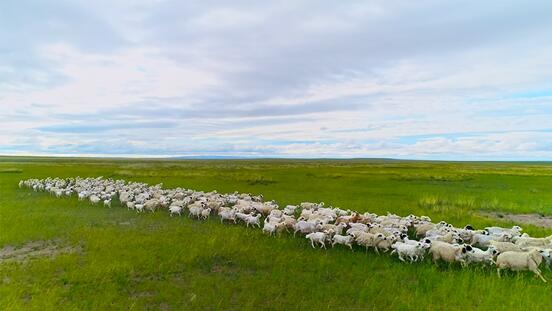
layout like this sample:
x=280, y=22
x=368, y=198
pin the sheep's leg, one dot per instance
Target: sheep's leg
x=312, y=244
x=350, y=246
x=323, y=245
x=541, y=277
x=533, y=267
x=498, y=272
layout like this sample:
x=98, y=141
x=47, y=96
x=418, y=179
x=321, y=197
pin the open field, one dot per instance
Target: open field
x=118, y=259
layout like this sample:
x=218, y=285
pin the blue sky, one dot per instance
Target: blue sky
x=461, y=80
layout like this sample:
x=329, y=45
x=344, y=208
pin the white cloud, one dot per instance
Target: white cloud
x=382, y=79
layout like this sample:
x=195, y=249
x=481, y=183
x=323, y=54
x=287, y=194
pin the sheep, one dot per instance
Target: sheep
x=276, y=213
x=253, y=220
x=526, y=241
x=82, y=195
x=130, y=205
x=319, y=223
x=385, y=243
x=343, y=239
x=289, y=222
x=446, y=252
x=305, y=227
x=484, y=240
x=241, y=216
x=502, y=247
x=310, y=205
x=515, y=230
x=94, y=199
x=272, y=228
x=422, y=229
x=367, y=239
x=318, y=237
x=227, y=214
x=476, y=255
x=290, y=210
x=273, y=219
x=195, y=211
x=520, y=261
x=449, y=238
x=547, y=256
x=358, y=226
x=336, y=229
x=151, y=205
x=175, y=209
x=412, y=251
x=205, y=213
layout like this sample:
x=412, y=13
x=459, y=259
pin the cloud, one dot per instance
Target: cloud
x=454, y=80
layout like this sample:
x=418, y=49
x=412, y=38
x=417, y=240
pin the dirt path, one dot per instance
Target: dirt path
x=531, y=219
x=35, y=249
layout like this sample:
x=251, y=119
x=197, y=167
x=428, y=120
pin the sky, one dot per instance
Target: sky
x=447, y=80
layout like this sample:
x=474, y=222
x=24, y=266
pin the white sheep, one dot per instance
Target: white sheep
x=514, y=231
x=205, y=213
x=272, y=228
x=318, y=237
x=195, y=211
x=227, y=214
x=94, y=199
x=477, y=255
x=409, y=250
x=253, y=220
x=290, y=210
x=175, y=209
x=130, y=205
x=502, y=247
x=446, y=252
x=343, y=240
x=520, y=261
x=367, y=239
x=305, y=227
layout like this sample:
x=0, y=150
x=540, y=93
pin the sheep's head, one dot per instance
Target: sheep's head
x=545, y=253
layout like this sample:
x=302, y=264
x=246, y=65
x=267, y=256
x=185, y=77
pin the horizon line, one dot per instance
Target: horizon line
x=233, y=157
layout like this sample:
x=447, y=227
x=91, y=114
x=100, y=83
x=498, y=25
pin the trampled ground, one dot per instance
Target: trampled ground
x=79, y=256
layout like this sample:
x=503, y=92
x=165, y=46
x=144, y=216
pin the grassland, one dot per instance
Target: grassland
x=152, y=261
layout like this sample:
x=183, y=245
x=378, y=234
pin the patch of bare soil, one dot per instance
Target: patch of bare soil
x=531, y=219
x=35, y=249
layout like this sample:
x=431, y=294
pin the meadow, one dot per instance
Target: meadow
x=151, y=261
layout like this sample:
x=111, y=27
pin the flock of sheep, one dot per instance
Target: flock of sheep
x=507, y=248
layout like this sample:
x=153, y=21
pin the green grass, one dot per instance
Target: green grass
x=153, y=261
